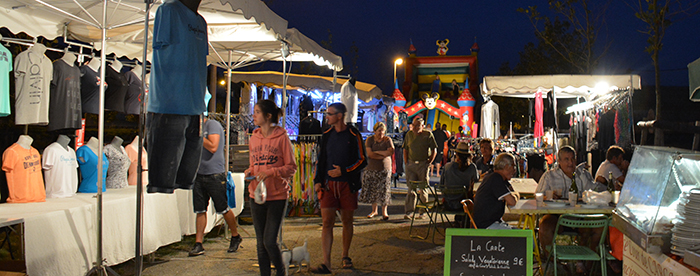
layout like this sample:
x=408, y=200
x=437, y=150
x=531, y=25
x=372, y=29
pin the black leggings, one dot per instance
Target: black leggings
x=267, y=219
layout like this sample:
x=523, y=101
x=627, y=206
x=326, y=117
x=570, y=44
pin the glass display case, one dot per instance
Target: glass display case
x=655, y=181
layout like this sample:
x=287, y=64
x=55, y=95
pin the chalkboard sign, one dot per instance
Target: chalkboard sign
x=488, y=252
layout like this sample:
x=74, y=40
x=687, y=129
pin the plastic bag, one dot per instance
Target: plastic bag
x=230, y=190
x=597, y=198
x=260, y=193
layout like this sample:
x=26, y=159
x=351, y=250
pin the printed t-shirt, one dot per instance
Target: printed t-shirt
x=418, y=145
x=65, y=107
x=89, y=90
x=132, y=103
x=213, y=163
x=88, y=170
x=489, y=204
x=23, y=171
x=179, y=69
x=33, y=73
x=61, y=171
x=116, y=91
x=5, y=68
x=133, y=168
x=118, y=167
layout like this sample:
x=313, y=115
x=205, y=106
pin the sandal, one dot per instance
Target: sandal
x=347, y=262
x=371, y=215
x=385, y=218
x=321, y=269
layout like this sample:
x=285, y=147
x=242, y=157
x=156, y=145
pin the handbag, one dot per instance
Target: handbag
x=230, y=190
x=260, y=193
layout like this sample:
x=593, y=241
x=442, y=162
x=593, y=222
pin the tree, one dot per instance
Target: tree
x=659, y=15
x=573, y=38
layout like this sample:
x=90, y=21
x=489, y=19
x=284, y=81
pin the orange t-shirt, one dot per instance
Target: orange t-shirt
x=23, y=170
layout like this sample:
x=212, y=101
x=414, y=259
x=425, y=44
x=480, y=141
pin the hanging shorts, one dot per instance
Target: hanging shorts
x=174, y=145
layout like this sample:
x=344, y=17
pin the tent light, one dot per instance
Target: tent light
x=601, y=88
x=579, y=107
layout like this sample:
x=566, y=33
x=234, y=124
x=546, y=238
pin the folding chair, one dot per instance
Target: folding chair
x=468, y=206
x=442, y=208
x=428, y=205
x=577, y=252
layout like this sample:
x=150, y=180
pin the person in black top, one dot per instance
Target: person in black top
x=494, y=193
x=485, y=163
x=440, y=138
x=341, y=158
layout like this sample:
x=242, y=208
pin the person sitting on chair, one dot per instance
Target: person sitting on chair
x=494, y=193
x=459, y=174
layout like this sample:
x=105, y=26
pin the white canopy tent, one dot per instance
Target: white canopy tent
x=365, y=91
x=694, y=80
x=119, y=27
x=588, y=87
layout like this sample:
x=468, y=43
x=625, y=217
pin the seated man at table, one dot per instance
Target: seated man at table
x=614, y=159
x=558, y=179
x=494, y=193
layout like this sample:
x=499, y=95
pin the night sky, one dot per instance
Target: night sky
x=382, y=30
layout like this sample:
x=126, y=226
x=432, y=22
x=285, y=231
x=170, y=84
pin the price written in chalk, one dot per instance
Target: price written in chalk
x=487, y=261
x=489, y=252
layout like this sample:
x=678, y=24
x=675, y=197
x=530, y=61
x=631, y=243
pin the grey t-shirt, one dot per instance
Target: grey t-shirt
x=119, y=163
x=213, y=163
x=65, y=108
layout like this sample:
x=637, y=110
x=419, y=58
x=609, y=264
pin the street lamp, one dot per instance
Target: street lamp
x=397, y=62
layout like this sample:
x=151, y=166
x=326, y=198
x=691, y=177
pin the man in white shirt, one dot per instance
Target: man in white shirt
x=613, y=162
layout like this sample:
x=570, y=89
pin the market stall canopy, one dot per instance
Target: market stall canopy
x=81, y=20
x=365, y=91
x=694, y=80
x=565, y=86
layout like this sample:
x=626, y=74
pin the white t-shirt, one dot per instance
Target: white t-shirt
x=348, y=96
x=490, y=121
x=605, y=168
x=60, y=170
x=33, y=74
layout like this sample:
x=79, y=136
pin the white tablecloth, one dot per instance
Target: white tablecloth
x=60, y=234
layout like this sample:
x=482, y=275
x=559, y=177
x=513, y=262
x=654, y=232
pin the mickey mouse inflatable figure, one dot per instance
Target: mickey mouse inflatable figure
x=442, y=46
x=430, y=101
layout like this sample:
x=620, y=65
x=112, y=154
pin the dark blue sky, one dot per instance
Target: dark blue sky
x=382, y=30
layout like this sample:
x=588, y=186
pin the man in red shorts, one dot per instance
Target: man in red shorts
x=340, y=160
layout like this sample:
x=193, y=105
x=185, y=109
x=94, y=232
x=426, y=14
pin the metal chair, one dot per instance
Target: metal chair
x=443, y=210
x=468, y=206
x=577, y=252
x=428, y=205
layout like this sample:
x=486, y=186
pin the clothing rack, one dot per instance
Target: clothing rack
x=303, y=198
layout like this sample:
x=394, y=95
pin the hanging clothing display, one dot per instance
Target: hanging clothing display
x=23, y=172
x=132, y=102
x=132, y=152
x=348, y=96
x=118, y=166
x=65, y=108
x=61, y=170
x=303, y=199
x=89, y=90
x=33, y=73
x=606, y=130
x=539, y=108
x=490, y=121
x=116, y=91
x=5, y=69
x=87, y=160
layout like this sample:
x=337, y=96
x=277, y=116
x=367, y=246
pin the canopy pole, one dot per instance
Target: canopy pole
x=555, y=135
x=227, y=148
x=630, y=93
x=138, y=252
x=284, y=90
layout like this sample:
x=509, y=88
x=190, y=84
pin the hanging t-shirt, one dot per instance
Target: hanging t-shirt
x=61, y=171
x=539, y=107
x=490, y=121
x=213, y=163
x=179, y=69
x=33, y=73
x=116, y=91
x=23, y=171
x=118, y=167
x=133, y=168
x=89, y=90
x=65, y=107
x=88, y=170
x=132, y=103
x=5, y=68
x=348, y=96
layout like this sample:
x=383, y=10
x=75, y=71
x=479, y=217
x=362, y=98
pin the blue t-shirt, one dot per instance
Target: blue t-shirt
x=88, y=170
x=213, y=163
x=5, y=68
x=179, y=70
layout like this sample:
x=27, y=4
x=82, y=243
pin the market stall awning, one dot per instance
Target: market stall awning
x=565, y=86
x=365, y=91
x=694, y=80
